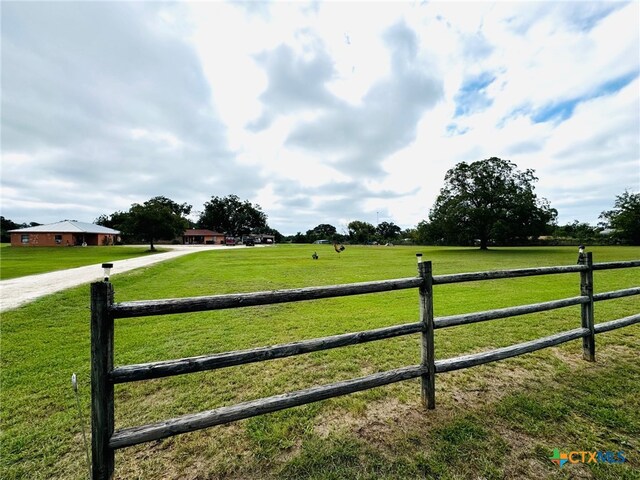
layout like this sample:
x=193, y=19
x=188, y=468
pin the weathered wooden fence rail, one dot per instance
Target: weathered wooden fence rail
x=105, y=440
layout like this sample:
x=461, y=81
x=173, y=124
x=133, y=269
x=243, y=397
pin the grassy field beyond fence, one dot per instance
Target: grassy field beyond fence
x=22, y=261
x=501, y=420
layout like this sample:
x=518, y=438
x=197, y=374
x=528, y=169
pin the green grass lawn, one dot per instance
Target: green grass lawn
x=501, y=420
x=21, y=261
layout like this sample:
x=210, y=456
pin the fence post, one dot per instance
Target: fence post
x=586, y=310
x=428, y=378
x=102, y=421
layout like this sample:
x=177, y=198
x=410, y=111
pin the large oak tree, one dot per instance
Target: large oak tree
x=489, y=200
x=159, y=218
x=361, y=232
x=388, y=231
x=324, y=231
x=232, y=216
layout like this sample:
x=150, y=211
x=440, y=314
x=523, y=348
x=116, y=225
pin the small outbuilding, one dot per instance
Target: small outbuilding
x=66, y=233
x=265, y=238
x=259, y=238
x=202, y=237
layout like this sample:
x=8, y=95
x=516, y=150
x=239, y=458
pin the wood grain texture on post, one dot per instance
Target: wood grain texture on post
x=428, y=385
x=586, y=313
x=102, y=404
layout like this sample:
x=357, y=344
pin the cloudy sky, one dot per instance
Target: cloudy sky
x=318, y=112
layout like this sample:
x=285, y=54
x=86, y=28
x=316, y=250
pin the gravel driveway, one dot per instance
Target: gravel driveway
x=18, y=291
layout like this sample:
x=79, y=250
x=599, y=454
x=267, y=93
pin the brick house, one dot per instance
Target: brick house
x=202, y=237
x=65, y=233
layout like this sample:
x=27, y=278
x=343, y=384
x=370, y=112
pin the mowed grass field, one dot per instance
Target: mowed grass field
x=22, y=261
x=501, y=420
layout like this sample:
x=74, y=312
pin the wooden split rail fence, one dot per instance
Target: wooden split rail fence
x=104, y=376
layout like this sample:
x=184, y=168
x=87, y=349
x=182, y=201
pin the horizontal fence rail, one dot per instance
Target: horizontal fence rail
x=190, y=423
x=619, y=323
x=627, y=292
x=613, y=265
x=238, y=300
x=475, y=359
x=467, y=318
x=146, y=371
x=105, y=439
x=498, y=274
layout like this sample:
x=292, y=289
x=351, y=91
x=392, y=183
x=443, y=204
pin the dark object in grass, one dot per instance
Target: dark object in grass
x=314, y=256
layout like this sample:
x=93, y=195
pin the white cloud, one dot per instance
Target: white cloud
x=157, y=137
x=323, y=112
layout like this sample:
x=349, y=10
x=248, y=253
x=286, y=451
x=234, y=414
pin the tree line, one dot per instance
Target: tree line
x=358, y=232
x=492, y=202
x=487, y=202
x=160, y=218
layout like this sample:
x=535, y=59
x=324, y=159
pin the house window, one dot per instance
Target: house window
x=24, y=238
x=58, y=239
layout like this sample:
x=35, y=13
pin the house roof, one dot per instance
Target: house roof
x=68, y=226
x=201, y=232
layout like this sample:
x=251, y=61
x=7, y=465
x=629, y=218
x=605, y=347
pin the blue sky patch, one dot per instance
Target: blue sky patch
x=616, y=84
x=472, y=96
x=558, y=112
x=562, y=110
x=455, y=129
x=584, y=16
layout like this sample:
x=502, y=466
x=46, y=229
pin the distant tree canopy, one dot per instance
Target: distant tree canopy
x=624, y=218
x=299, y=237
x=388, y=231
x=422, y=235
x=489, y=200
x=580, y=231
x=361, y=232
x=232, y=216
x=6, y=225
x=324, y=231
x=159, y=218
x=117, y=221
